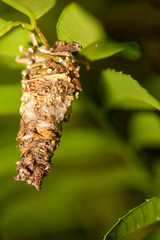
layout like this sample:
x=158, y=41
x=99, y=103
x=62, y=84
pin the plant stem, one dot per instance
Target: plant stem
x=16, y=24
x=30, y=27
x=41, y=36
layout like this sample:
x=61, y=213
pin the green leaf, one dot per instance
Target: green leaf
x=122, y=91
x=101, y=49
x=10, y=18
x=32, y=8
x=10, y=98
x=131, y=50
x=9, y=43
x=139, y=217
x=3, y=23
x=8, y=13
x=107, y=47
x=144, y=130
x=77, y=25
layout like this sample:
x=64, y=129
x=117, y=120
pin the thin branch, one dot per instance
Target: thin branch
x=41, y=36
x=6, y=29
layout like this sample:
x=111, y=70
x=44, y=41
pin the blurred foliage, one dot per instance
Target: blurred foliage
x=109, y=158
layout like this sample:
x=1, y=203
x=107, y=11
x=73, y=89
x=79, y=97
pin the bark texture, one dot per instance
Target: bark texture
x=49, y=84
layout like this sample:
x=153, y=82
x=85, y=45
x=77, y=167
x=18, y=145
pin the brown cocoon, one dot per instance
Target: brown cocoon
x=49, y=84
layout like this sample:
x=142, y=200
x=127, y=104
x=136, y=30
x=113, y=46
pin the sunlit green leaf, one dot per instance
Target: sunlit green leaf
x=145, y=130
x=10, y=18
x=139, y=217
x=122, y=91
x=77, y=25
x=8, y=13
x=3, y=23
x=9, y=43
x=32, y=8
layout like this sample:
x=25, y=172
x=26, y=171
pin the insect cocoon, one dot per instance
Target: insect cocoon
x=49, y=84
